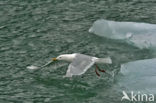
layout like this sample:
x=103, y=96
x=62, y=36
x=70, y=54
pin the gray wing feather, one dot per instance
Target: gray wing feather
x=80, y=65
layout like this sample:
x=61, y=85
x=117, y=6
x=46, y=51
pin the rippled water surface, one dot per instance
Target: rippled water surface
x=33, y=31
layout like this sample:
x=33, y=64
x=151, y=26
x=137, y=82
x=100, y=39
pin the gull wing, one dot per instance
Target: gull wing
x=80, y=65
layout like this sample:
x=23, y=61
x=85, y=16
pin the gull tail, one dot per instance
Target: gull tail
x=105, y=60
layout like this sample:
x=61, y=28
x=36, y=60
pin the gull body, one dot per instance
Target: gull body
x=71, y=57
x=80, y=63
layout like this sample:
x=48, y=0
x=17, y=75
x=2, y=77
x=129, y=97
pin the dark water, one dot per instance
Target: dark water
x=33, y=31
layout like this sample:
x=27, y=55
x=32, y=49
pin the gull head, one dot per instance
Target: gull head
x=64, y=57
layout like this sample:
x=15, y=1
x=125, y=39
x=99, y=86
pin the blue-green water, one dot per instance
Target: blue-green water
x=33, y=31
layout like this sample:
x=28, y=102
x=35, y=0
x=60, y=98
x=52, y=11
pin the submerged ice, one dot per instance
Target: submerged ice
x=138, y=76
x=142, y=35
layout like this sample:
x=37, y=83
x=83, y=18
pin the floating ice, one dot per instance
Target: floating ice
x=139, y=76
x=142, y=35
x=39, y=67
x=32, y=67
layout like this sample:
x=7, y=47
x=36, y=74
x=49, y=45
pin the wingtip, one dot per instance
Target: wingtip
x=109, y=60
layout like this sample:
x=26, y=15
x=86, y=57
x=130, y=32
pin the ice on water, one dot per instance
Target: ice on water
x=139, y=76
x=32, y=67
x=142, y=35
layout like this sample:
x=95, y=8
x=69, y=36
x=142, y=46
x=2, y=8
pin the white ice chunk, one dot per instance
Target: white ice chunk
x=142, y=35
x=139, y=76
x=32, y=67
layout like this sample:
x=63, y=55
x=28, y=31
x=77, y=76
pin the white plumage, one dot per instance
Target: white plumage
x=80, y=63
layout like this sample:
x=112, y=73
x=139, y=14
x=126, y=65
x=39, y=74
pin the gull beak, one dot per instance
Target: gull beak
x=54, y=59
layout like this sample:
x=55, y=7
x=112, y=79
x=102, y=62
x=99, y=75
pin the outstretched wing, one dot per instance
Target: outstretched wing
x=80, y=65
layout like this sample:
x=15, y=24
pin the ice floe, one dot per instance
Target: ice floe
x=142, y=35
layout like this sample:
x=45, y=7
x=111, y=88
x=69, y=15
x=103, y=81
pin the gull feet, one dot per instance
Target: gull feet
x=97, y=68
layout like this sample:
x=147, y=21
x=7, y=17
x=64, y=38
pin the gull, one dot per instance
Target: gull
x=80, y=63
